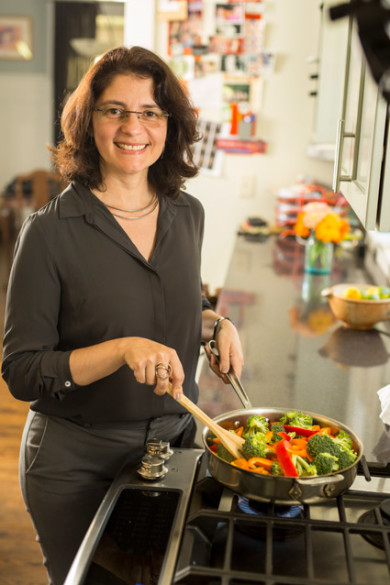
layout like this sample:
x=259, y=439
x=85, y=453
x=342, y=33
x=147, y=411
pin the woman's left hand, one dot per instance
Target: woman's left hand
x=230, y=351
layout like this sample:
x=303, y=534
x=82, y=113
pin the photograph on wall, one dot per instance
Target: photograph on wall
x=185, y=35
x=226, y=45
x=172, y=9
x=229, y=30
x=255, y=8
x=233, y=64
x=206, y=154
x=254, y=34
x=262, y=63
x=236, y=89
x=16, y=38
x=183, y=66
x=233, y=13
x=195, y=5
x=207, y=65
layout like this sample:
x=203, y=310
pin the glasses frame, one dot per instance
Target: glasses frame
x=124, y=116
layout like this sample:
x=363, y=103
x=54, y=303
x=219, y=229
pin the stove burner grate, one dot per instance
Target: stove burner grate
x=378, y=516
x=262, y=509
x=233, y=540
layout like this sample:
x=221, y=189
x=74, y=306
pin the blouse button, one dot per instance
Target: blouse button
x=68, y=384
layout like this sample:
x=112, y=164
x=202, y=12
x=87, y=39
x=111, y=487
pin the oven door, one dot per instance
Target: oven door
x=135, y=535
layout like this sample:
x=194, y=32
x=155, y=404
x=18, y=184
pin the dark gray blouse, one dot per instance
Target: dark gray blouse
x=78, y=280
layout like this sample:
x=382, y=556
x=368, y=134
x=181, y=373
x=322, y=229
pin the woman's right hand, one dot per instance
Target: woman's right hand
x=144, y=355
x=89, y=364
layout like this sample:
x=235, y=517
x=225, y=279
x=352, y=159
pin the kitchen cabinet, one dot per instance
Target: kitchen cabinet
x=360, y=170
x=328, y=89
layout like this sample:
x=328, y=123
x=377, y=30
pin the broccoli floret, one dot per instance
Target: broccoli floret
x=303, y=467
x=325, y=444
x=276, y=469
x=297, y=419
x=344, y=440
x=346, y=458
x=322, y=444
x=326, y=463
x=277, y=428
x=255, y=446
x=255, y=424
x=224, y=454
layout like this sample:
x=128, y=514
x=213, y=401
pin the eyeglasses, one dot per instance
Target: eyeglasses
x=146, y=117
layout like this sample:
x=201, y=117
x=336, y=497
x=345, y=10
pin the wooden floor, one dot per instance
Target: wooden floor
x=20, y=556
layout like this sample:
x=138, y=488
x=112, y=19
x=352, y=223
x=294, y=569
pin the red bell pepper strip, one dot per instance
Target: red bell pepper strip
x=285, y=460
x=301, y=431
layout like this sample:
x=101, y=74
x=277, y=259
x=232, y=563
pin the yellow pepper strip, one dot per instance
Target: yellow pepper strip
x=242, y=463
x=255, y=462
x=261, y=470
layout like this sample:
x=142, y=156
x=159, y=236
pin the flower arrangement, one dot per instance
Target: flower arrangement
x=322, y=227
x=318, y=219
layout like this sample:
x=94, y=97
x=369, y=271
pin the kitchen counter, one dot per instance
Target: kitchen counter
x=297, y=355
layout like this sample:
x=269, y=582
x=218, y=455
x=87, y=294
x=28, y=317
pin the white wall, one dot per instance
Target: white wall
x=26, y=124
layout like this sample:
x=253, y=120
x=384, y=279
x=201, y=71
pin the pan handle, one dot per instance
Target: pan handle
x=233, y=378
x=307, y=490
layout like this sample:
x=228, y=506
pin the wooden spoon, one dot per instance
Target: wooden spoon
x=229, y=440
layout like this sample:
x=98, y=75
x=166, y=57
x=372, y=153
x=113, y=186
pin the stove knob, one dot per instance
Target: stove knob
x=160, y=448
x=152, y=468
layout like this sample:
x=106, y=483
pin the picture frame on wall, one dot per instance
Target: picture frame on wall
x=16, y=38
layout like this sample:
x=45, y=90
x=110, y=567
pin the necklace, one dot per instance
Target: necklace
x=133, y=210
x=154, y=203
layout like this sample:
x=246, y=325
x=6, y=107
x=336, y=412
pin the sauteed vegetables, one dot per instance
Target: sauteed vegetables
x=292, y=447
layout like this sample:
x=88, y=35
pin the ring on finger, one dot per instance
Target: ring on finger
x=165, y=368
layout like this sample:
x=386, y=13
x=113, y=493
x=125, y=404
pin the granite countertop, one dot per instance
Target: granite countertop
x=297, y=355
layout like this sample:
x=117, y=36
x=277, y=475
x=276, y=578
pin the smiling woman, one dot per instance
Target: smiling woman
x=116, y=314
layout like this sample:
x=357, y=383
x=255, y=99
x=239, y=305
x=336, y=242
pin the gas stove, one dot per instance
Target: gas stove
x=170, y=522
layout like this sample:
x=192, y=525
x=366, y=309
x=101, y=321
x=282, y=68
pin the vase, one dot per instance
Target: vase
x=318, y=256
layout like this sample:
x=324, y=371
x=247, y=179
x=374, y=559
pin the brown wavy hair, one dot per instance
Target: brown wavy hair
x=76, y=156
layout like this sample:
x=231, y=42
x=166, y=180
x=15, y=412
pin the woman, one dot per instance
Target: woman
x=114, y=308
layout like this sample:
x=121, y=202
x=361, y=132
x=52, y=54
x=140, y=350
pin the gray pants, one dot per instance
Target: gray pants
x=66, y=469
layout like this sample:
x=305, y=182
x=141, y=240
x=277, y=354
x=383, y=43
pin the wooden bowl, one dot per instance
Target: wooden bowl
x=356, y=313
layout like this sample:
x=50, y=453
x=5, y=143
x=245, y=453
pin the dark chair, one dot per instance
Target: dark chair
x=25, y=194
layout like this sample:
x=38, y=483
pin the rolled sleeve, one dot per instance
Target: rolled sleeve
x=55, y=372
x=31, y=376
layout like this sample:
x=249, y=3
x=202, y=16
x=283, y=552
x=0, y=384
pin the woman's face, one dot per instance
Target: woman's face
x=128, y=144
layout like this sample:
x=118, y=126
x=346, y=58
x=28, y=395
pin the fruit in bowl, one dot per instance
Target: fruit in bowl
x=372, y=293
x=359, y=306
